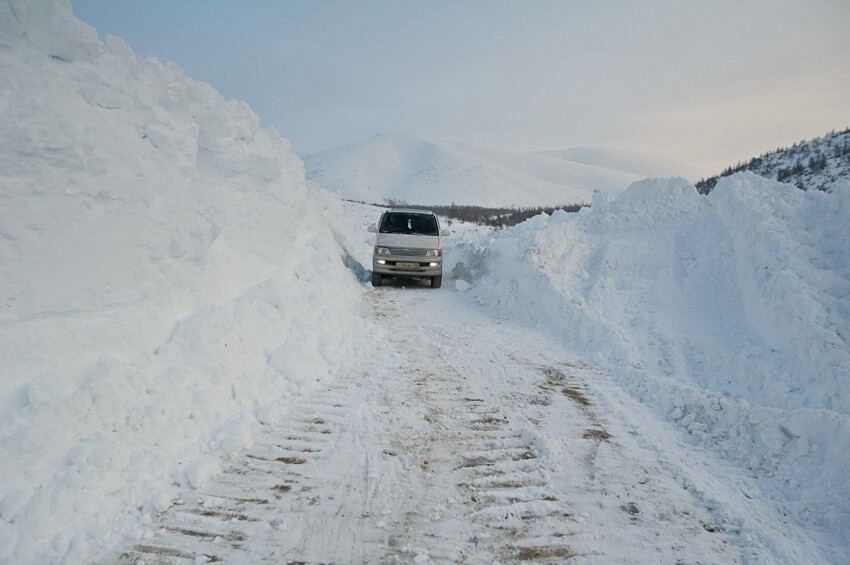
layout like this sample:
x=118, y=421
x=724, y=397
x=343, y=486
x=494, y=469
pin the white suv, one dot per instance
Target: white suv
x=408, y=244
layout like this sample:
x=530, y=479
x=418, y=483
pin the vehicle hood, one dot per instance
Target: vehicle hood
x=408, y=240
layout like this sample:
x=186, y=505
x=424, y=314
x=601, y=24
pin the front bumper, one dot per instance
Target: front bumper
x=390, y=265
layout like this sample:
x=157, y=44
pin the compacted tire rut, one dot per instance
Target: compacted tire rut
x=229, y=519
x=457, y=444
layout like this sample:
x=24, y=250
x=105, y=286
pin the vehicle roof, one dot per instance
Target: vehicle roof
x=409, y=211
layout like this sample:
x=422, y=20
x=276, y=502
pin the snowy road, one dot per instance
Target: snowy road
x=468, y=440
x=189, y=373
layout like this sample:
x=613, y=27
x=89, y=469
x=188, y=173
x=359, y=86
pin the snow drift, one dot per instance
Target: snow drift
x=728, y=314
x=168, y=280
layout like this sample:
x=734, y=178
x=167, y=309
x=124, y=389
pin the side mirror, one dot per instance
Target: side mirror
x=372, y=229
x=444, y=233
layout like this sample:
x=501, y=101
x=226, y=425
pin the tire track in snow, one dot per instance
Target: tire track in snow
x=237, y=517
x=474, y=487
x=460, y=443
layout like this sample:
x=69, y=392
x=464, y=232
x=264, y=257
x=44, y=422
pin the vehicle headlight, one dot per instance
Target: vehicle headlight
x=434, y=253
x=382, y=250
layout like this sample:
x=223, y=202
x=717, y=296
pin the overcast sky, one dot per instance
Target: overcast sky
x=709, y=83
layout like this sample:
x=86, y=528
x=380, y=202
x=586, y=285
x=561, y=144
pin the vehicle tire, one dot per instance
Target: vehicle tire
x=377, y=279
x=436, y=281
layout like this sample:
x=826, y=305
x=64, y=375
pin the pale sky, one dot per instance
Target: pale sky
x=708, y=82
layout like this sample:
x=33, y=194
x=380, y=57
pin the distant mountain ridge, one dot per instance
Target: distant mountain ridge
x=820, y=164
x=634, y=162
x=397, y=168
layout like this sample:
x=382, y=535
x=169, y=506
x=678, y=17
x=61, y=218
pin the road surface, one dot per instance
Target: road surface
x=468, y=439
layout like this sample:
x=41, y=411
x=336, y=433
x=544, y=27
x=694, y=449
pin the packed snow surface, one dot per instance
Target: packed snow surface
x=178, y=300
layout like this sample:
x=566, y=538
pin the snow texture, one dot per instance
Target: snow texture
x=168, y=280
x=727, y=314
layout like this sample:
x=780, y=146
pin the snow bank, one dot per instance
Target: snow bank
x=728, y=314
x=168, y=281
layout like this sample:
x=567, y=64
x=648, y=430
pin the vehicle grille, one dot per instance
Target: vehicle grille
x=406, y=252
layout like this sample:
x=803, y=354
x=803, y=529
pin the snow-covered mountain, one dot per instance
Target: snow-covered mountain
x=822, y=164
x=404, y=168
x=643, y=165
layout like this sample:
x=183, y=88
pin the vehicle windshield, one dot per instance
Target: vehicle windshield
x=409, y=223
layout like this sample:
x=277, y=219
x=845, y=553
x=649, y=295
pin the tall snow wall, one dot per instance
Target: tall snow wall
x=162, y=258
x=727, y=313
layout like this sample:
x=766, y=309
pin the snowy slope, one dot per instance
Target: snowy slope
x=644, y=165
x=822, y=163
x=162, y=259
x=404, y=168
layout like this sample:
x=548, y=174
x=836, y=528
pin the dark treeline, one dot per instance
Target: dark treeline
x=484, y=216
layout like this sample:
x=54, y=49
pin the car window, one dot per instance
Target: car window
x=409, y=223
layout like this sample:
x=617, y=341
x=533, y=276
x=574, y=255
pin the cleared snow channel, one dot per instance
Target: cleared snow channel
x=469, y=439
